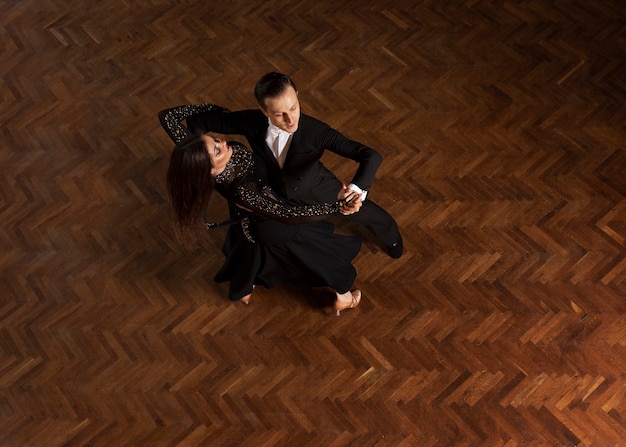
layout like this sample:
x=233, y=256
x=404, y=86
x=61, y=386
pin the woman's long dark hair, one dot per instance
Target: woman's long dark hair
x=190, y=185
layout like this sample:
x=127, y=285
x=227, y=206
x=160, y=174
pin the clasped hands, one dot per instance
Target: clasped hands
x=353, y=201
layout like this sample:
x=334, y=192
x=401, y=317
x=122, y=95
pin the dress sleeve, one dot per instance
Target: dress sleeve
x=265, y=204
x=171, y=119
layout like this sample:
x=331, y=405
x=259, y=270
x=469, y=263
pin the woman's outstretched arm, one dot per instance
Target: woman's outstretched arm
x=171, y=119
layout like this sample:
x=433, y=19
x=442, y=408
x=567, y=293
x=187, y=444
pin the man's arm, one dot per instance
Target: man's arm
x=242, y=122
x=369, y=160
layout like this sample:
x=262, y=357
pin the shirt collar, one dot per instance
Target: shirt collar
x=276, y=131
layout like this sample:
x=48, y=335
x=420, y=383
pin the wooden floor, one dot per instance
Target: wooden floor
x=503, y=130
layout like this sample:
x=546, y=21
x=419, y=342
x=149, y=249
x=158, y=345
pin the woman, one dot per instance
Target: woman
x=275, y=241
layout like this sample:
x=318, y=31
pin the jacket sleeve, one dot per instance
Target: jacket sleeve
x=369, y=160
x=241, y=122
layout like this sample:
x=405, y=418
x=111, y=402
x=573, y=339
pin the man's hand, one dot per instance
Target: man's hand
x=353, y=201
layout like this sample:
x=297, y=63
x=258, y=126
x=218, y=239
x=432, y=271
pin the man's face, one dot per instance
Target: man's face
x=284, y=110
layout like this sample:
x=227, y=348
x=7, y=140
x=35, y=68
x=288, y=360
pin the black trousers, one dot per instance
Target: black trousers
x=378, y=221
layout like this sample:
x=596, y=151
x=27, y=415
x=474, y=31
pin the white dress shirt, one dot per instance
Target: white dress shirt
x=279, y=141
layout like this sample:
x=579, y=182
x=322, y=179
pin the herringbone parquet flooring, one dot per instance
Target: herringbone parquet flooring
x=502, y=126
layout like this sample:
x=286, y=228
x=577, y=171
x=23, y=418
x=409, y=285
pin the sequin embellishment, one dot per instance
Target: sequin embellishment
x=239, y=164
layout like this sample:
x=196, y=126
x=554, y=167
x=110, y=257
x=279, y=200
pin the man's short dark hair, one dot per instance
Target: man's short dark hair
x=271, y=85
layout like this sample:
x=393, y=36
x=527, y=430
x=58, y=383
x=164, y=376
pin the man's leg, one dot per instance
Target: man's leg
x=382, y=224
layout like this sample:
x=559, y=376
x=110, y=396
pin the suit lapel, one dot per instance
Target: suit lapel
x=267, y=154
x=296, y=139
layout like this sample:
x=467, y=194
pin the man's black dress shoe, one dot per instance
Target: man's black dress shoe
x=395, y=250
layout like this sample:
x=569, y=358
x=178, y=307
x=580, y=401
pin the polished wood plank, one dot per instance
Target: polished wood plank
x=502, y=130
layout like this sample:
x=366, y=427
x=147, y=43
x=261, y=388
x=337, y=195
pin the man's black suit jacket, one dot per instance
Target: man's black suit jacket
x=303, y=179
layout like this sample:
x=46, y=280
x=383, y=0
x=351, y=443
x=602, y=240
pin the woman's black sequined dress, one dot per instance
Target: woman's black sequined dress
x=276, y=241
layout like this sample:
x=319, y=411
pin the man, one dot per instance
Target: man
x=292, y=144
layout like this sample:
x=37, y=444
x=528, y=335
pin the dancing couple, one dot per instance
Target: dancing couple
x=280, y=194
